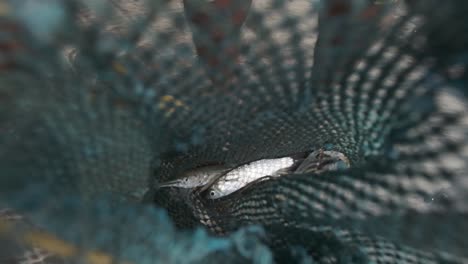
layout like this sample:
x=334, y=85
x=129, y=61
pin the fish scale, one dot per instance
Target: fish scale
x=241, y=176
x=318, y=161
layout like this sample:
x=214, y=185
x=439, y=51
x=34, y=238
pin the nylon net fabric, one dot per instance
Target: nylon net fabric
x=103, y=100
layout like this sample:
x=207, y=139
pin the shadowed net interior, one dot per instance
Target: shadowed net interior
x=103, y=100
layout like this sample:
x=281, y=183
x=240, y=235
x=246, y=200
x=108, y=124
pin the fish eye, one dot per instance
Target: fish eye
x=212, y=193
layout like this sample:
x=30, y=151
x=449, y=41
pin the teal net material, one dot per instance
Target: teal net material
x=101, y=101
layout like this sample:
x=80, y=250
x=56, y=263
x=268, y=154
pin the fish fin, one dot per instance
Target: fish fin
x=268, y=177
x=309, y=164
x=282, y=171
x=300, y=155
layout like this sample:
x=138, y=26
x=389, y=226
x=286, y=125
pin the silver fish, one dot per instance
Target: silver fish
x=197, y=177
x=320, y=161
x=245, y=174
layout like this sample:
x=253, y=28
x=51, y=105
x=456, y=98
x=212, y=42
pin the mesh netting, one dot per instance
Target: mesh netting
x=103, y=100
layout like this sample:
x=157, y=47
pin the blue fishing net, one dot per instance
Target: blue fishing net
x=103, y=100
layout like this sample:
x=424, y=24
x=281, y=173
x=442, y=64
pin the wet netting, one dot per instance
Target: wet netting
x=101, y=101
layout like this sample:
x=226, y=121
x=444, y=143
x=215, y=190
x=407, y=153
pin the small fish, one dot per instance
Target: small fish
x=321, y=160
x=245, y=174
x=197, y=177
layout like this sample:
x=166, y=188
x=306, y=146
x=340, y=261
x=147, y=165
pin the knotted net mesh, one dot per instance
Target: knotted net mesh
x=103, y=100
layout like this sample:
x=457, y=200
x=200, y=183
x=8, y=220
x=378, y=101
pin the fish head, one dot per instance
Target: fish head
x=214, y=193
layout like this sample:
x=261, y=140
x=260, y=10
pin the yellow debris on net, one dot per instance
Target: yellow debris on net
x=56, y=246
x=170, y=104
x=4, y=8
x=119, y=68
x=167, y=98
x=50, y=243
x=179, y=103
x=169, y=112
x=4, y=226
x=99, y=258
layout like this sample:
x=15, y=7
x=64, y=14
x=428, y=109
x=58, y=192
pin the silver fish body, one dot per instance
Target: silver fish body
x=196, y=177
x=245, y=174
x=221, y=181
